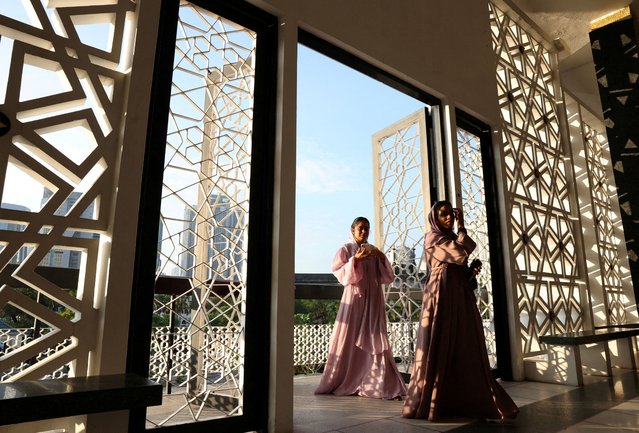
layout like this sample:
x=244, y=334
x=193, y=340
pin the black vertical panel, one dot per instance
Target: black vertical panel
x=150, y=200
x=500, y=301
x=614, y=50
x=434, y=169
x=257, y=329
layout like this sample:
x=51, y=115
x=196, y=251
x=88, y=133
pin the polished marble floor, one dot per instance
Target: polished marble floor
x=607, y=405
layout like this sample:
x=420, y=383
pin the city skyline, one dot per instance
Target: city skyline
x=56, y=257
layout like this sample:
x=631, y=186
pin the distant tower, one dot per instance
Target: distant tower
x=225, y=256
x=225, y=248
x=158, y=259
x=66, y=258
x=186, y=259
x=23, y=252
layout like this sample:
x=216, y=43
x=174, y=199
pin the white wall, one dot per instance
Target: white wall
x=441, y=46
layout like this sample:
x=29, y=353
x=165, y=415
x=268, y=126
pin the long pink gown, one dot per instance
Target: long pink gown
x=360, y=361
x=451, y=375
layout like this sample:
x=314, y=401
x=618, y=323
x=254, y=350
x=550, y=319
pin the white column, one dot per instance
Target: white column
x=118, y=253
x=283, y=276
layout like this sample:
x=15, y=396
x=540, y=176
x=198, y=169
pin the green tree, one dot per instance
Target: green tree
x=315, y=311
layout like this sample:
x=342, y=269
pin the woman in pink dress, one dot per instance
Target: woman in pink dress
x=451, y=375
x=360, y=361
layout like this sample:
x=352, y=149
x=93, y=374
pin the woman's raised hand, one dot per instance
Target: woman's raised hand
x=459, y=215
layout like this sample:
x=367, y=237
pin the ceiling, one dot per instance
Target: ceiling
x=569, y=21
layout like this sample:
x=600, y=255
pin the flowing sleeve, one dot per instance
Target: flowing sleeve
x=344, y=268
x=386, y=274
x=454, y=250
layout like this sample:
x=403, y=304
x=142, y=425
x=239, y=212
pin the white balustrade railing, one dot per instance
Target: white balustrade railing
x=311, y=344
x=13, y=338
x=310, y=349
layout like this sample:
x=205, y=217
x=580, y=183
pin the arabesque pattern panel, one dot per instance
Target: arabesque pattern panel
x=540, y=197
x=204, y=221
x=400, y=170
x=63, y=73
x=606, y=235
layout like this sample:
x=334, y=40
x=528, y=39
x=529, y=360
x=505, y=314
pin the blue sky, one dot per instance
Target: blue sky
x=339, y=110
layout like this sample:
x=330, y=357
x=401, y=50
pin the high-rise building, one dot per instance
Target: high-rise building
x=224, y=244
x=64, y=257
x=23, y=252
x=187, y=244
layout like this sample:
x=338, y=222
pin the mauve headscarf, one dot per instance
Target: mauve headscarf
x=437, y=233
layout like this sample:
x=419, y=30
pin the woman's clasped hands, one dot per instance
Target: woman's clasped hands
x=367, y=250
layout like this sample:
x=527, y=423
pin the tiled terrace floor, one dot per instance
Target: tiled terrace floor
x=609, y=405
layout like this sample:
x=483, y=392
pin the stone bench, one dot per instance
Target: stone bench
x=595, y=352
x=33, y=400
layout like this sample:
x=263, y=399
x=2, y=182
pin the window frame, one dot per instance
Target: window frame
x=258, y=336
x=500, y=302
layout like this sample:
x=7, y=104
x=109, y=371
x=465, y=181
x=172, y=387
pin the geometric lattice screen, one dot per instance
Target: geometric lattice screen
x=400, y=176
x=616, y=61
x=197, y=348
x=607, y=238
x=476, y=221
x=540, y=198
x=63, y=73
x=610, y=287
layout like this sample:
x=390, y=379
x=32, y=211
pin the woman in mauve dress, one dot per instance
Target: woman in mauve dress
x=360, y=361
x=451, y=375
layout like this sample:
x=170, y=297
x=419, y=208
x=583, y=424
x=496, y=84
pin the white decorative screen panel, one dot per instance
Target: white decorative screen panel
x=540, y=197
x=63, y=72
x=610, y=287
x=400, y=164
x=616, y=301
x=202, y=244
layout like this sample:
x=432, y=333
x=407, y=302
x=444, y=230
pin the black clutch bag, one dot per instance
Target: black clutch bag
x=470, y=273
